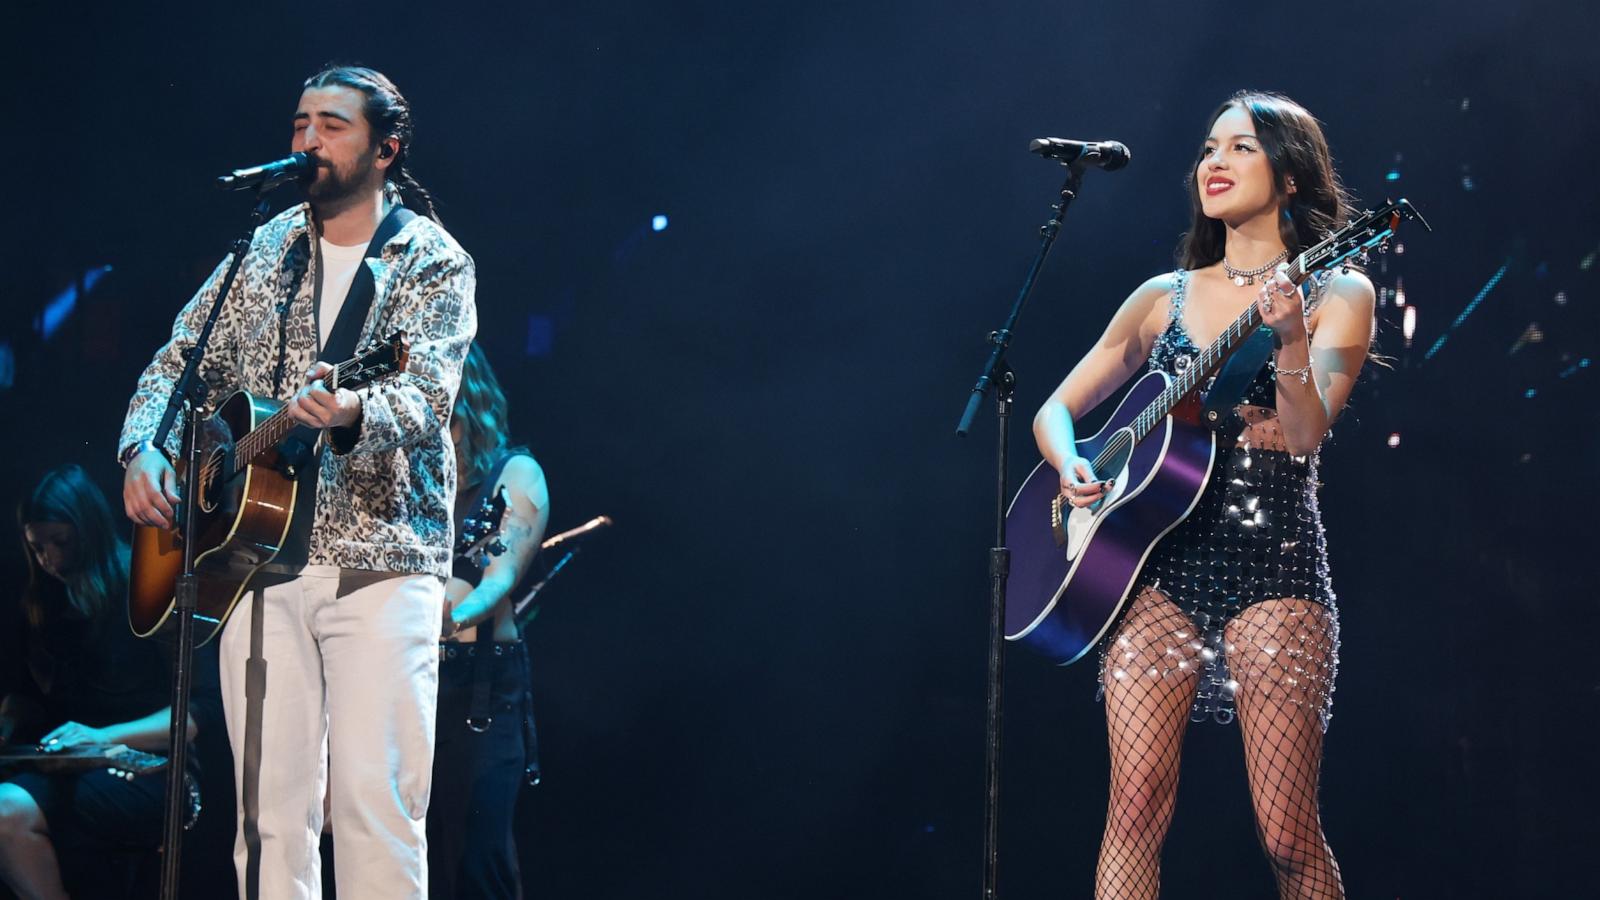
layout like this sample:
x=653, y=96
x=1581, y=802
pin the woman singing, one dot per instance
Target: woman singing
x=1233, y=613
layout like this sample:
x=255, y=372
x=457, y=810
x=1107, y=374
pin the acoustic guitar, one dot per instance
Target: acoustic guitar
x=1072, y=567
x=246, y=500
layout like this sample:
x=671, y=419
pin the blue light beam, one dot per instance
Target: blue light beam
x=50, y=319
x=1471, y=308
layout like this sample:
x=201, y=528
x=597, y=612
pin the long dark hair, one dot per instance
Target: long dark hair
x=1295, y=147
x=480, y=411
x=100, y=577
x=389, y=115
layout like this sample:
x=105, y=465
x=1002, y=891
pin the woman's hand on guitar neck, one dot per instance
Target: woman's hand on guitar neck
x=72, y=734
x=1079, y=485
x=150, y=490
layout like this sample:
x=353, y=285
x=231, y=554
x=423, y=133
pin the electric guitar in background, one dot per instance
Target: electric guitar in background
x=245, y=504
x=479, y=541
x=1072, y=567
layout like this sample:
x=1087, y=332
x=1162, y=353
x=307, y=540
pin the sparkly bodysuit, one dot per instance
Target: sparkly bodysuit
x=1254, y=539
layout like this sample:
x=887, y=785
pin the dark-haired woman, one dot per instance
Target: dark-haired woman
x=484, y=750
x=1233, y=614
x=89, y=681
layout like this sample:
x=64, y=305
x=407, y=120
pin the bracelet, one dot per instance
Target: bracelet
x=136, y=449
x=1303, y=373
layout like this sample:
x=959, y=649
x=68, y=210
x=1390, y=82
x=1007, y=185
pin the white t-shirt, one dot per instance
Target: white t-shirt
x=339, y=267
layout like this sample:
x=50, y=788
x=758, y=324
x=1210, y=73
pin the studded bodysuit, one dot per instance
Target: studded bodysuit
x=1254, y=539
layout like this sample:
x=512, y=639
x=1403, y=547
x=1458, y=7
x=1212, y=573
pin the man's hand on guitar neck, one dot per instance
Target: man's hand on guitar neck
x=150, y=490
x=318, y=407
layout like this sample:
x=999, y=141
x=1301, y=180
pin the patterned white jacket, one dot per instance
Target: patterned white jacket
x=385, y=498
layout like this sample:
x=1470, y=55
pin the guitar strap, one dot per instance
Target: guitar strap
x=1238, y=371
x=1230, y=384
x=299, y=447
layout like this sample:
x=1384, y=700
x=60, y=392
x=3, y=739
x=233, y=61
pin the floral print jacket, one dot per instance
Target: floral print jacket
x=386, y=491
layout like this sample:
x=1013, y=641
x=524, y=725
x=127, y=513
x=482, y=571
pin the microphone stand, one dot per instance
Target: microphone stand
x=998, y=374
x=189, y=395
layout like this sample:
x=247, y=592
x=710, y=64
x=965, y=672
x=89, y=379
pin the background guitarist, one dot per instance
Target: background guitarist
x=74, y=675
x=350, y=614
x=486, y=746
x=1233, y=612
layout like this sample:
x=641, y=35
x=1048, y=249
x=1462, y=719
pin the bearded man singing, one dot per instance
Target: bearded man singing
x=349, y=611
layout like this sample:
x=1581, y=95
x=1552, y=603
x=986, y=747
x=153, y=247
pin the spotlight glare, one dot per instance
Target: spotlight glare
x=659, y=223
x=1394, y=439
x=1408, y=325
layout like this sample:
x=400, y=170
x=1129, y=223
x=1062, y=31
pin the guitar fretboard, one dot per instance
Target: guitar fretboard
x=267, y=435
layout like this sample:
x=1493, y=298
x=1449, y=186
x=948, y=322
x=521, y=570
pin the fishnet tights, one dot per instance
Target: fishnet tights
x=1279, y=652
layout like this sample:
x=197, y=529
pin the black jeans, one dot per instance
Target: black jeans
x=481, y=754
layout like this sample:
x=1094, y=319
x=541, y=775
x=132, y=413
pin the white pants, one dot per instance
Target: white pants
x=351, y=688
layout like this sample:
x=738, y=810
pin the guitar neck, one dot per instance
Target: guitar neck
x=265, y=436
x=1209, y=359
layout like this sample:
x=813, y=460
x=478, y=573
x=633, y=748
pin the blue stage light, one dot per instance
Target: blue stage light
x=50, y=319
x=659, y=223
x=1394, y=175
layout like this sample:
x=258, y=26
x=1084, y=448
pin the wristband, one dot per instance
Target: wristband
x=136, y=449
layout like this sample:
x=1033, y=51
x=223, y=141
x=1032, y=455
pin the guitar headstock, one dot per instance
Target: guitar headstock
x=383, y=361
x=1371, y=230
x=480, y=531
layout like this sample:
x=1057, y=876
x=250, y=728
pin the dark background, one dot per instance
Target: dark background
x=769, y=681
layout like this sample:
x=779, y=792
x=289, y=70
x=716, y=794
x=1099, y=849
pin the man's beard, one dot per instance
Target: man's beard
x=333, y=189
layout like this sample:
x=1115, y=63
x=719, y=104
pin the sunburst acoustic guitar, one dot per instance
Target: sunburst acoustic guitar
x=246, y=499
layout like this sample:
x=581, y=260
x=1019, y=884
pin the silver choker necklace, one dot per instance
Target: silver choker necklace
x=1242, y=277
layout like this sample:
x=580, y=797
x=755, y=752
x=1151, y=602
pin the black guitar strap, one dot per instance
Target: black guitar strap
x=353, y=315
x=299, y=448
x=1230, y=384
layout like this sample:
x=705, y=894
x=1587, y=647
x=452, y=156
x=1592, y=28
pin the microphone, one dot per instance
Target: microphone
x=270, y=175
x=1107, y=155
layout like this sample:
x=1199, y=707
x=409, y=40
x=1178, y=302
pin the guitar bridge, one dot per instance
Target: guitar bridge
x=1058, y=524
